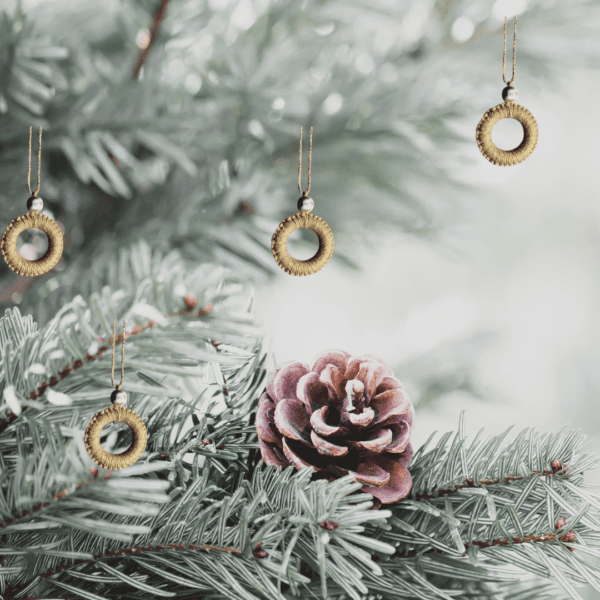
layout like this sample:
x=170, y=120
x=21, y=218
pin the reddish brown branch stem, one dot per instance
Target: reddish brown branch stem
x=484, y=482
x=58, y=496
x=159, y=17
x=124, y=551
x=528, y=539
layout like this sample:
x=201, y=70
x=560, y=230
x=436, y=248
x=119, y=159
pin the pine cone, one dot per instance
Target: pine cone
x=343, y=415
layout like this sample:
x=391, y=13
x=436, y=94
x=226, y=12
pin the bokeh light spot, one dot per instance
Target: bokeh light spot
x=193, y=83
x=325, y=29
x=413, y=23
x=28, y=252
x=243, y=17
x=462, y=29
x=318, y=73
x=333, y=103
x=256, y=129
x=142, y=39
x=365, y=64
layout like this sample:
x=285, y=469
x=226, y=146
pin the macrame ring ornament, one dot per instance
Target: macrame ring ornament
x=92, y=437
x=483, y=135
x=8, y=244
x=292, y=265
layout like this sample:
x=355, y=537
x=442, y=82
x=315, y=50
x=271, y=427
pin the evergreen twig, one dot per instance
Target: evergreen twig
x=76, y=364
x=143, y=54
x=485, y=482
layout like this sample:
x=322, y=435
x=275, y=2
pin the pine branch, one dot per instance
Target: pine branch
x=137, y=550
x=327, y=527
x=529, y=508
x=29, y=73
x=159, y=17
x=58, y=496
x=528, y=539
x=78, y=363
x=235, y=520
x=473, y=510
x=556, y=469
x=38, y=447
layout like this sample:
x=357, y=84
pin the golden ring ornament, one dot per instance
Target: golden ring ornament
x=302, y=220
x=292, y=265
x=116, y=412
x=109, y=415
x=483, y=135
x=8, y=244
x=507, y=110
x=32, y=220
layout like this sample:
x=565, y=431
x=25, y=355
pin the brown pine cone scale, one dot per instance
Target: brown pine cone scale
x=344, y=415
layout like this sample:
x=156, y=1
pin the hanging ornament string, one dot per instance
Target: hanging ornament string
x=509, y=109
x=304, y=193
x=32, y=220
x=509, y=83
x=39, y=162
x=116, y=412
x=112, y=372
x=302, y=220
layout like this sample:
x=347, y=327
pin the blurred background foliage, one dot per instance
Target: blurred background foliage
x=200, y=151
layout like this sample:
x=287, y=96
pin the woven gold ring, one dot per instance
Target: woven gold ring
x=292, y=265
x=483, y=135
x=8, y=244
x=92, y=437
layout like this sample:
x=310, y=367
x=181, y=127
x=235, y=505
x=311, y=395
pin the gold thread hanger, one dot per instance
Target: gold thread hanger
x=303, y=220
x=32, y=220
x=509, y=109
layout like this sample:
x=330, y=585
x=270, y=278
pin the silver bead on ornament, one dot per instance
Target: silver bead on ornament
x=118, y=397
x=510, y=94
x=305, y=204
x=34, y=204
